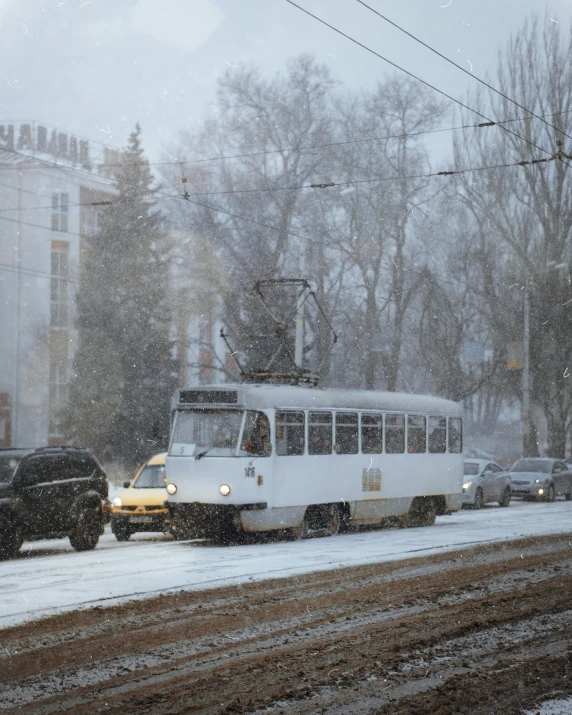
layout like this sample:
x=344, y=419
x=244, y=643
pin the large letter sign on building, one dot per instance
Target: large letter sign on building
x=39, y=139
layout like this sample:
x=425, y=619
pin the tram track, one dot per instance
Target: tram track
x=410, y=636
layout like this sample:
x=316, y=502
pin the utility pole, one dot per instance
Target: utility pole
x=299, y=333
x=527, y=450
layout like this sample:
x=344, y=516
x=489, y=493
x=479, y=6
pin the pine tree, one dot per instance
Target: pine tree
x=124, y=372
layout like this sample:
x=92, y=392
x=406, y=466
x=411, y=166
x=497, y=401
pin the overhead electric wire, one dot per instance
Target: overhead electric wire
x=410, y=74
x=471, y=74
x=31, y=272
x=254, y=222
x=301, y=187
x=299, y=150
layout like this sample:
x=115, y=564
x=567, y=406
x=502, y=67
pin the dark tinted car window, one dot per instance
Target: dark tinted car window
x=34, y=471
x=59, y=467
x=82, y=465
x=8, y=467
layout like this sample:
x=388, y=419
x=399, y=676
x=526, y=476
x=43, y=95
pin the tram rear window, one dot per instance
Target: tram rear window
x=455, y=435
x=437, y=435
x=290, y=439
x=347, y=433
x=394, y=434
x=416, y=434
x=371, y=434
x=320, y=433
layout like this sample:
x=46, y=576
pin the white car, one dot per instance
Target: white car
x=485, y=482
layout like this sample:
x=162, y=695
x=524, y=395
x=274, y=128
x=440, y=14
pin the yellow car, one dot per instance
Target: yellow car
x=141, y=505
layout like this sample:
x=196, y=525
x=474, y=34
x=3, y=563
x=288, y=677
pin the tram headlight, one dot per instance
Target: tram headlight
x=171, y=488
x=117, y=501
x=224, y=489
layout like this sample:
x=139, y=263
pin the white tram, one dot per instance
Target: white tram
x=254, y=458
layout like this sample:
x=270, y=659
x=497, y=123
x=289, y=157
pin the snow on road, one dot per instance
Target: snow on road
x=49, y=577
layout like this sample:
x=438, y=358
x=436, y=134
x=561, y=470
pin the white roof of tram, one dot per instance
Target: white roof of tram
x=290, y=397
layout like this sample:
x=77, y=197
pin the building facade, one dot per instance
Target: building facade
x=53, y=188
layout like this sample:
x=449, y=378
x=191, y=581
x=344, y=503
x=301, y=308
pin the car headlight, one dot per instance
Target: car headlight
x=171, y=488
x=541, y=491
x=224, y=489
x=467, y=485
x=117, y=501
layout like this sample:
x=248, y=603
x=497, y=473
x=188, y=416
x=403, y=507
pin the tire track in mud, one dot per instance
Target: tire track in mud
x=405, y=637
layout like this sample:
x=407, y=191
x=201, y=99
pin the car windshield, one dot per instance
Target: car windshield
x=531, y=465
x=7, y=468
x=152, y=477
x=213, y=432
x=471, y=468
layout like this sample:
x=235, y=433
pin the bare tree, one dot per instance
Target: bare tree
x=529, y=208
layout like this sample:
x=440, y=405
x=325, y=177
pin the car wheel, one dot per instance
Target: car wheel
x=505, y=499
x=551, y=493
x=568, y=496
x=85, y=532
x=10, y=538
x=479, y=499
x=121, y=531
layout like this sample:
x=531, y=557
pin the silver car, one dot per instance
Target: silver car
x=485, y=482
x=541, y=478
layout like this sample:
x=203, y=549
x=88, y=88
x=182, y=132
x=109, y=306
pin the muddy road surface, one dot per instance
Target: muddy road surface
x=486, y=630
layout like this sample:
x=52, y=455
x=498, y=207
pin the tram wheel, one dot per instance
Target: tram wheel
x=422, y=512
x=332, y=518
x=302, y=530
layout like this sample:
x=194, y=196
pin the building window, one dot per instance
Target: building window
x=91, y=223
x=60, y=206
x=59, y=285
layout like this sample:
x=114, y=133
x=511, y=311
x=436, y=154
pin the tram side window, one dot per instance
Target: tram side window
x=290, y=438
x=416, y=434
x=455, y=435
x=347, y=440
x=371, y=433
x=394, y=434
x=437, y=435
x=319, y=433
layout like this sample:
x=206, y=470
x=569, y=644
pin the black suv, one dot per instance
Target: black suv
x=47, y=493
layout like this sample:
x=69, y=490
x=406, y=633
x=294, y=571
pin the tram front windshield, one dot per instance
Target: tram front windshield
x=213, y=432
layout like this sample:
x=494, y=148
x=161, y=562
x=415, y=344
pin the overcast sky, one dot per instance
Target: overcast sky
x=95, y=67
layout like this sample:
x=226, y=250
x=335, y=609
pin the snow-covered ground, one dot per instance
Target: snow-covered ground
x=552, y=707
x=49, y=576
